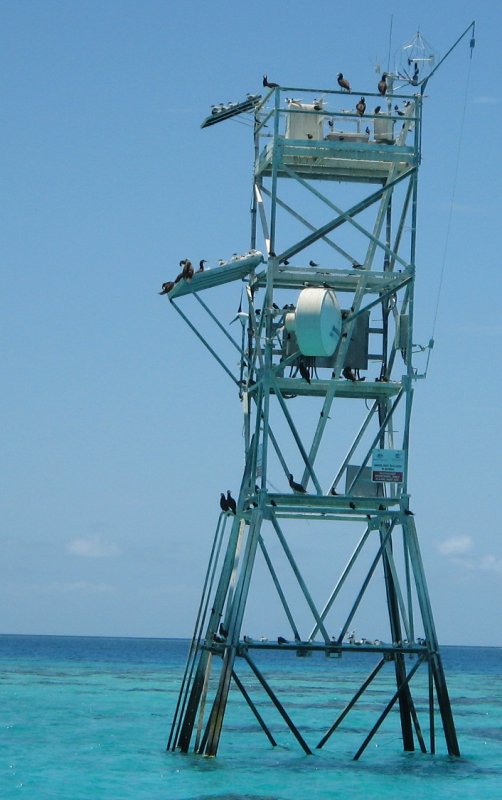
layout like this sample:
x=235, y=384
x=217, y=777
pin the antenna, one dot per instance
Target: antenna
x=472, y=43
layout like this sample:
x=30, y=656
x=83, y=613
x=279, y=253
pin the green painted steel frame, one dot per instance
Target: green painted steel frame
x=260, y=384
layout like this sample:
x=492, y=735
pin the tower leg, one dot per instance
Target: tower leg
x=404, y=697
x=235, y=615
x=204, y=665
x=435, y=661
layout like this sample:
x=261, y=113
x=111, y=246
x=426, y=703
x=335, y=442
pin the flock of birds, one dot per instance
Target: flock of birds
x=350, y=638
x=220, y=108
x=382, y=87
x=187, y=272
x=228, y=503
x=344, y=85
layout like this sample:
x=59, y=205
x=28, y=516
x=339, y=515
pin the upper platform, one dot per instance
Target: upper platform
x=337, y=135
x=338, y=160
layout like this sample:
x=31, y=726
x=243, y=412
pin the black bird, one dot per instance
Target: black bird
x=352, y=505
x=361, y=107
x=333, y=491
x=269, y=84
x=343, y=82
x=304, y=371
x=348, y=373
x=378, y=109
x=281, y=640
x=356, y=265
x=201, y=265
x=296, y=487
x=382, y=84
x=381, y=507
x=187, y=271
x=408, y=512
x=367, y=130
x=312, y=263
x=166, y=287
x=285, y=262
x=232, y=505
x=398, y=111
x=223, y=502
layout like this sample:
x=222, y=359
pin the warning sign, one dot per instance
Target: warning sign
x=387, y=466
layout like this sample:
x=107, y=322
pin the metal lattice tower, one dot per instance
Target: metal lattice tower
x=326, y=361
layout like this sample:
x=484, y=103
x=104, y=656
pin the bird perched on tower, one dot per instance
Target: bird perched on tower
x=187, y=271
x=223, y=502
x=166, y=287
x=269, y=84
x=361, y=107
x=382, y=84
x=201, y=265
x=296, y=487
x=343, y=82
x=232, y=505
x=304, y=371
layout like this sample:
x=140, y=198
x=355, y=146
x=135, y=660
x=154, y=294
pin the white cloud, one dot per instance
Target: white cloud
x=459, y=550
x=92, y=547
x=491, y=563
x=455, y=546
x=487, y=100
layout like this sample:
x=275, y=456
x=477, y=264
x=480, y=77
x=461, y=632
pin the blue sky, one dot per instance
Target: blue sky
x=119, y=431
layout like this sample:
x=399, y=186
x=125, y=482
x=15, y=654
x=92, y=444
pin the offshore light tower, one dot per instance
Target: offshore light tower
x=326, y=361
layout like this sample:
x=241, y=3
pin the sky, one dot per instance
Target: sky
x=119, y=430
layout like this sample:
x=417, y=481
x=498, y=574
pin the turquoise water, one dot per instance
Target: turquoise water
x=89, y=718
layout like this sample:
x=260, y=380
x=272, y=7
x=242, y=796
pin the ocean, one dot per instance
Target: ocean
x=88, y=718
